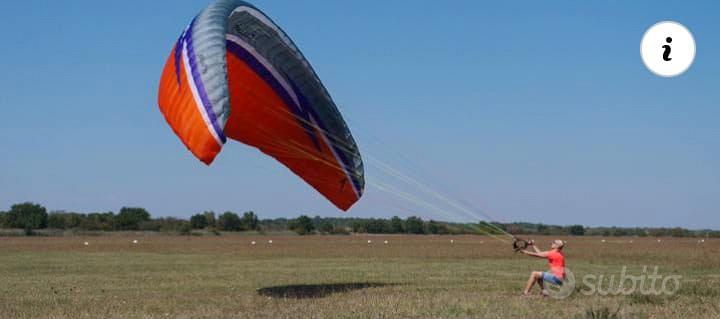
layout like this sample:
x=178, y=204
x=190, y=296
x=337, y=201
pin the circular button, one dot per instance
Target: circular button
x=667, y=49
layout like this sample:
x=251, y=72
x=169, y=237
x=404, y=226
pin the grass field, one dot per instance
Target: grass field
x=337, y=277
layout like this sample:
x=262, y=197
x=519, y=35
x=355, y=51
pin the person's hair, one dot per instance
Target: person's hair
x=560, y=244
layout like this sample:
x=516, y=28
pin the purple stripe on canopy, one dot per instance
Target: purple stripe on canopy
x=178, y=56
x=199, y=84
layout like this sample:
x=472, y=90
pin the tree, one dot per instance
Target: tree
x=619, y=231
x=414, y=225
x=99, y=221
x=129, y=218
x=637, y=231
x=326, y=227
x=64, y=220
x=229, y=221
x=678, y=232
x=490, y=228
x=198, y=221
x=657, y=232
x=3, y=220
x=56, y=221
x=446, y=229
x=377, y=226
x=433, y=227
x=317, y=220
x=303, y=225
x=73, y=220
x=542, y=229
x=339, y=230
x=515, y=229
x=27, y=216
x=210, y=217
x=437, y=228
x=277, y=224
x=396, y=225
x=360, y=226
x=151, y=225
x=577, y=230
x=250, y=221
x=185, y=229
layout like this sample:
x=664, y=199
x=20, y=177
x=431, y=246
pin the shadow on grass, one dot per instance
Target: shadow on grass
x=316, y=291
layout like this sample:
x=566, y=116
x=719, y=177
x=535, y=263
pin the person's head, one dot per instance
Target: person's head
x=557, y=244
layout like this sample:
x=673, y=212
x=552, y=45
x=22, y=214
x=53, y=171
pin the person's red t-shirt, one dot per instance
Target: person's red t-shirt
x=557, y=263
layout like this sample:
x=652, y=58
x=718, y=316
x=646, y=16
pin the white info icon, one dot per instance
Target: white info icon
x=668, y=49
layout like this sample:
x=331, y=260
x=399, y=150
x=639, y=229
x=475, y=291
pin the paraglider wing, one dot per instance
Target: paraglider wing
x=233, y=73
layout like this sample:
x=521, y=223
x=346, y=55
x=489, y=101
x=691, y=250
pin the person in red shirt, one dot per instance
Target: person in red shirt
x=556, y=274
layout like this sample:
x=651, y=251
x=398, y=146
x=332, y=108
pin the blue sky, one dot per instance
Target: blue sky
x=534, y=111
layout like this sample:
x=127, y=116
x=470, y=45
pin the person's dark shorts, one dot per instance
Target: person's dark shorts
x=548, y=277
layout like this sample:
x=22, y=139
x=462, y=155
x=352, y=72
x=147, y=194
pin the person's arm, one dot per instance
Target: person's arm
x=537, y=253
x=537, y=250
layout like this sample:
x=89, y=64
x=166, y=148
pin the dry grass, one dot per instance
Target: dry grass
x=335, y=277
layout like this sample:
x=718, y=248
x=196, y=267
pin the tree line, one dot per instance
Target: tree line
x=31, y=217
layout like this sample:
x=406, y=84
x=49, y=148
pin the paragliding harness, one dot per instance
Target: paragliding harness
x=519, y=244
